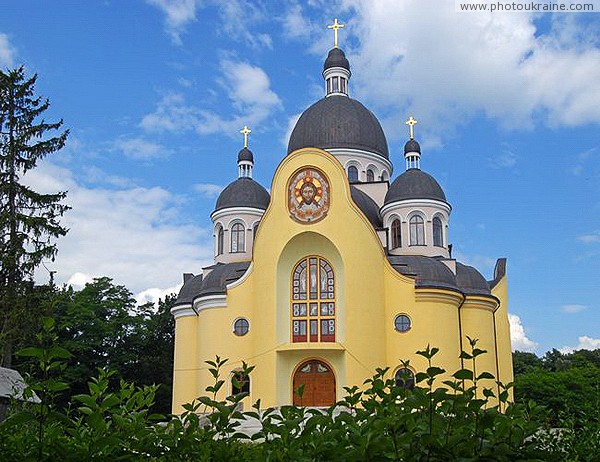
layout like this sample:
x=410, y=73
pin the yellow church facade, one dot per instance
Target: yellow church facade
x=336, y=272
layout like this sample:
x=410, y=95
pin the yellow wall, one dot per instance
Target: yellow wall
x=369, y=294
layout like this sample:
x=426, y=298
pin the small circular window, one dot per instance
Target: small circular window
x=241, y=326
x=402, y=323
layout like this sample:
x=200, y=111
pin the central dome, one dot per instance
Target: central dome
x=339, y=122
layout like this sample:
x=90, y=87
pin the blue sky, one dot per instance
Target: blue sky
x=155, y=93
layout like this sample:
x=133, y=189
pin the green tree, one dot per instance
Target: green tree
x=29, y=221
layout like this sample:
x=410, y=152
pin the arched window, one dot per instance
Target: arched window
x=238, y=241
x=396, y=234
x=254, y=229
x=352, y=174
x=370, y=175
x=240, y=383
x=438, y=235
x=417, y=230
x=405, y=378
x=220, y=239
x=313, y=301
x=384, y=176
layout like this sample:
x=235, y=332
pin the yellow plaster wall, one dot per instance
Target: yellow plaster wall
x=505, y=365
x=369, y=294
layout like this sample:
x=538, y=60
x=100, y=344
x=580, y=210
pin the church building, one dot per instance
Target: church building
x=336, y=272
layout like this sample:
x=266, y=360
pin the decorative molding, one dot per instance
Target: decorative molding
x=210, y=301
x=182, y=311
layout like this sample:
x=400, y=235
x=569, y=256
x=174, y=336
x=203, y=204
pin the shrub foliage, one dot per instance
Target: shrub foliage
x=456, y=419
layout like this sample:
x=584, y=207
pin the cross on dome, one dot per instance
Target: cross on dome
x=411, y=124
x=335, y=26
x=245, y=131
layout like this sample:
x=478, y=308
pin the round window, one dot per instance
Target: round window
x=402, y=323
x=241, y=326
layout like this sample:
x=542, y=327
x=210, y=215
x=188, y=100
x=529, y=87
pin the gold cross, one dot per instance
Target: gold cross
x=245, y=131
x=411, y=123
x=335, y=26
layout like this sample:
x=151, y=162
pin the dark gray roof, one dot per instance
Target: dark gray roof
x=431, y=272
x=339, y=122
x=336, y=58
x=412, y=146
x=245, y=154
x=470, y=280
x=215, y=282
x=243, y=192
x=414, y=184
x=367, y=206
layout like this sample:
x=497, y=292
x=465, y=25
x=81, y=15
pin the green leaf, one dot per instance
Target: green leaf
x=463, y=374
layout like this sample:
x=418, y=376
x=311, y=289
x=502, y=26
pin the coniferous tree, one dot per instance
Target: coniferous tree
x=29, y=221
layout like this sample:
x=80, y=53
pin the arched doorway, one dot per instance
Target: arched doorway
x=319, y=384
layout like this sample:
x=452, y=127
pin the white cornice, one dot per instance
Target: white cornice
x=415, y=203
x=210, y=301
x=182, y=311
x=375, y=158
x=218, y=214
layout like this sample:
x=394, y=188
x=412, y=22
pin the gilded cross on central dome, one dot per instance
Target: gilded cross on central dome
x=335, y=26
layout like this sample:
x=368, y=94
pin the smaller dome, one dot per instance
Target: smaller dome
x=336, y=58
x=412, y=146
x=414, y=184
x=243, y=192
x=245, y=155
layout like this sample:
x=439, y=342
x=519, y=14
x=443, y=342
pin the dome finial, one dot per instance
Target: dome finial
x=335, y=26
x=412, y=150
x=245, y=156
x=411, y=122
x=245, y=131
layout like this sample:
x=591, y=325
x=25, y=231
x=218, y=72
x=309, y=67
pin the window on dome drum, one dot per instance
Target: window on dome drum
x=405, y=378
x=396, y=234
x=238, y=241
x=353, y=174
x=240, y=383
x=254, y=230
x=220, y=239
x=438, y=239
x=402, y=323
x=241, y=327
x=417, y=230
x=370, y=175
x=313, y=301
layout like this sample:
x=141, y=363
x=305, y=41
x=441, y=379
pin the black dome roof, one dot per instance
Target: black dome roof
x=367, y=206
x=412, y=146
x=245, y=154
x=243, y=192
x=414, y=184
x=336, y=58
x=339, y=122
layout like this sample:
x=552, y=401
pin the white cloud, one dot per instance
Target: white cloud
x=504, y=159
x=590, y=238
x=141, y=149
x=249, y=90
x=585, y=343
x=172, y=114
x=496, y=64
x=518, y=338
x=237, y=16
x=79, y=280
x=571, y=309
x=155, y=294
x=208, y=190
x=135, y=235
x=7, y=52
x=179, y=13
x=292, y=121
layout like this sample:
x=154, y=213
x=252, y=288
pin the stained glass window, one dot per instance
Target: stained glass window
x=313, y=301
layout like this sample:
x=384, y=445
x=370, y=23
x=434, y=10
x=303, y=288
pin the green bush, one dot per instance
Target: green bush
x=438, y=420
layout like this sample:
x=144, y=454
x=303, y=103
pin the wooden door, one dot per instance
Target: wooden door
x=319, y=384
